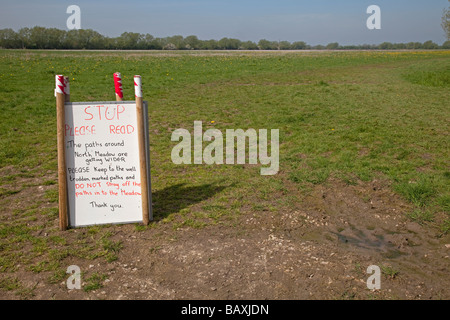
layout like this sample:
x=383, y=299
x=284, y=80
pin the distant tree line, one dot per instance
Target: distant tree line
x=52, y=38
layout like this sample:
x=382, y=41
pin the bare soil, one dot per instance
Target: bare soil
x=318, y=250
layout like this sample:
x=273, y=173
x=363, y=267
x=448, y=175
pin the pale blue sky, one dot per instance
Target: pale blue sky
x=315, y=21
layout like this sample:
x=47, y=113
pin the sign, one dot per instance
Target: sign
x=102, y=163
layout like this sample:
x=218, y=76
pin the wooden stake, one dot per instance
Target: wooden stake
x=142, y=160
x=62, y=176
x=67, y=93
x=142, y=152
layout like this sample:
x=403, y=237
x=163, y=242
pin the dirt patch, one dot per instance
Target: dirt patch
x=320, y=249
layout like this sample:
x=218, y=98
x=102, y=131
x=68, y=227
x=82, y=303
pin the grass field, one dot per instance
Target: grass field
x=345, y=116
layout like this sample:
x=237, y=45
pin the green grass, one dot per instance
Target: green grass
x=420, y=216
x=111, y=249
x=14, y=284
x=445, y=227
x=94, y=282
x=418, y=192
x=389, y=271
x=9, y=284
x=346, y=115
x=428, y=74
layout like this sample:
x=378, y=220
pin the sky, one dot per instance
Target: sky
x=314, y=21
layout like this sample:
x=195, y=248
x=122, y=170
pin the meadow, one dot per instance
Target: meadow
x=352, y=117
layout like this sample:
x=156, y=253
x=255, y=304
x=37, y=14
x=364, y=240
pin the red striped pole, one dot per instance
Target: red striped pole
x=118, y=86
x=60, y=93
x=142, y=150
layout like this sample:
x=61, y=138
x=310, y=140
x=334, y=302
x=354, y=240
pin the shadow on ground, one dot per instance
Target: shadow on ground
x=174, y=198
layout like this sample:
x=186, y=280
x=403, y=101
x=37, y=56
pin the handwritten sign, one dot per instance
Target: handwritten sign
x=102, y=160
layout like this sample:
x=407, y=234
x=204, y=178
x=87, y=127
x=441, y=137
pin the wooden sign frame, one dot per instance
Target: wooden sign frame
x=67, y=210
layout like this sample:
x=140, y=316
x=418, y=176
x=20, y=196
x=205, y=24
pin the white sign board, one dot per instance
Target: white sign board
x=102, y=163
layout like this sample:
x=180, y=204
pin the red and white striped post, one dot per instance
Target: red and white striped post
x=118, y=86
x=142, y=150
x=60, y=93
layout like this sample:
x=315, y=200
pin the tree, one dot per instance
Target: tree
x=9, y=39
x=446, y=22
x=129, y=40
x=52, y=38
x=175, y=43
x=55, y=38
x=209, y=45
x=170, y=46
x=332, y=46
x=430, y=45
x=413, y=45
x=386, y=46
x=248, y=45
x=24, y=36
x=284, y=45
x=264, y=44
x=37, y=37
x=192, y=42
x=299, y=45
x=96, y=40
x=399, y=46
x=160, y=42
x=229, y=44
x=149, y=42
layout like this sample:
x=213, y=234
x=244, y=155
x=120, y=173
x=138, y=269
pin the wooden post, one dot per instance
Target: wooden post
x=142, y=150
x=62, y=176
x=67, y=89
